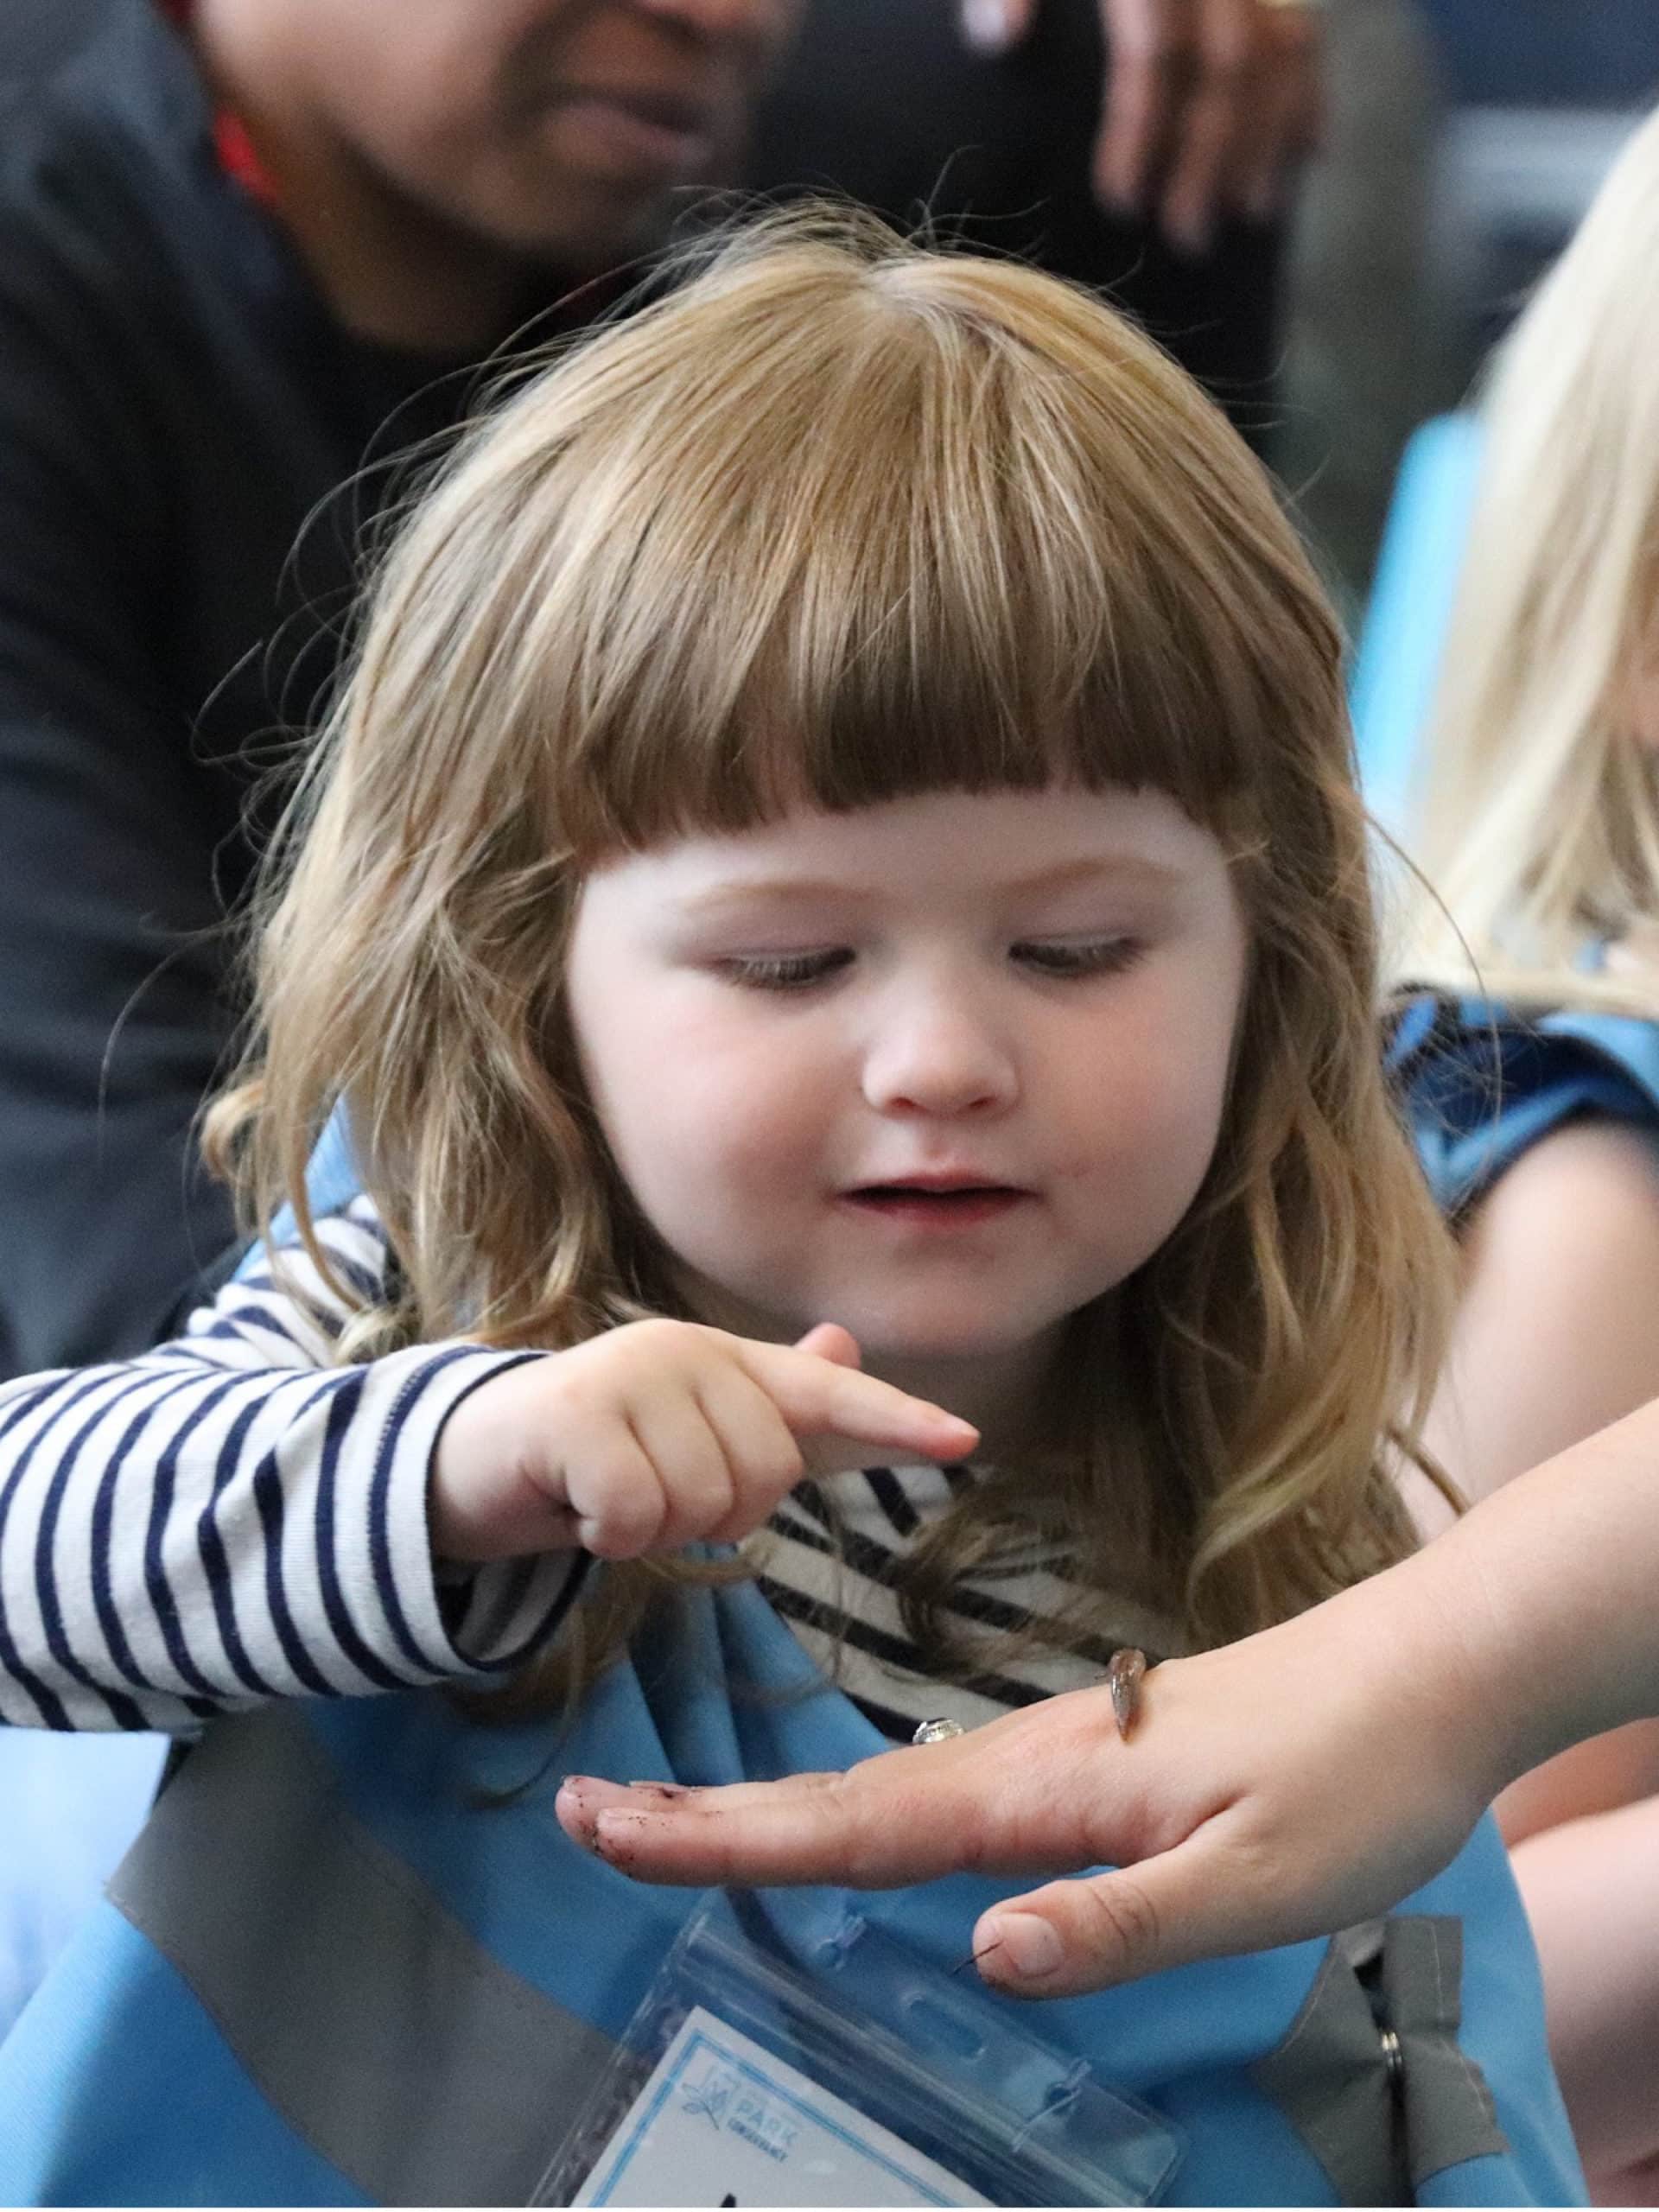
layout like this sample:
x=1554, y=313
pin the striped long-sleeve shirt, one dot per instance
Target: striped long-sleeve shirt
x=231, y=1518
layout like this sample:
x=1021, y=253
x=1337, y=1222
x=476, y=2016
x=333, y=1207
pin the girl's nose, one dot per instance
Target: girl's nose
x=939, y=1062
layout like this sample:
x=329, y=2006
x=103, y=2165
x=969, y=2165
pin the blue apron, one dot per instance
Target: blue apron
x=1481, y=1083
x=354, y=1960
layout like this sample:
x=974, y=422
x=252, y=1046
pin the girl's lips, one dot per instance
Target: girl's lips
x=915, y=1207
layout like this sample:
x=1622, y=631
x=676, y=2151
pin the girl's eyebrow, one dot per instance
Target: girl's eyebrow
x=752, y=890
x=1135, y=867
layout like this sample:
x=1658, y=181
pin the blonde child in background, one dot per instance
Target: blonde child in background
x=833, y=892
x=1537, y=1102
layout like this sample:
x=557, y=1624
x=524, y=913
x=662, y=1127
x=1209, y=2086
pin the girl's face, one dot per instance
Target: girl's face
x=942, y=1070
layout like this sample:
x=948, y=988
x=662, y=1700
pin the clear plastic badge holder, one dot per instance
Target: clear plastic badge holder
x=872, y=2078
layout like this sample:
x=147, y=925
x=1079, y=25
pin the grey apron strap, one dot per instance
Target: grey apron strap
x=364, y=2011
x=1449, y=2111
x=1331, y=2079
x=1371, y=2074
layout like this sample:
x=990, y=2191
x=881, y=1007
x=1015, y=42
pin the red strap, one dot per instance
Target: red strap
x=231, y=143
x=237, y=159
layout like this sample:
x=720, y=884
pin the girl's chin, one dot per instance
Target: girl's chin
x=988, y=1361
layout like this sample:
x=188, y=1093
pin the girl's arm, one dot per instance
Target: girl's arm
x=1293, y=1783
x=228, y=1520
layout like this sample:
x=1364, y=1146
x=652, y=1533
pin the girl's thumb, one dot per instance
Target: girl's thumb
x=829, y=1340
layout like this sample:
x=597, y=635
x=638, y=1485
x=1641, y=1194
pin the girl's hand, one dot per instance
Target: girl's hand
x=662, y=1432
x=1290, y=1784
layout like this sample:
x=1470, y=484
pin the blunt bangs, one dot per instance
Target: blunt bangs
x=836, y=527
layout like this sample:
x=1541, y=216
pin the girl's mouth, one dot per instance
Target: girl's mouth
x=914, y=1205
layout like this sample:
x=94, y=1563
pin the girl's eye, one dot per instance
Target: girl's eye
x=1103, y=956
x=785, y=971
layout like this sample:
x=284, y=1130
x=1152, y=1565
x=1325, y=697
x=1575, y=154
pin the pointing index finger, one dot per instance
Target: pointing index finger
x=817, y=1398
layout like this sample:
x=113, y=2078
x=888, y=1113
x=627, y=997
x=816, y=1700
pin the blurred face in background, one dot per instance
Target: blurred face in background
x=558, y=130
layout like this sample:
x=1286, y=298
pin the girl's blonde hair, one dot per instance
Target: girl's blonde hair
x=1537, y=824
x=840, y=521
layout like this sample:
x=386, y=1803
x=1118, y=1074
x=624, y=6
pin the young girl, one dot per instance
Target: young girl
x=833, y=892
x=1540, y=829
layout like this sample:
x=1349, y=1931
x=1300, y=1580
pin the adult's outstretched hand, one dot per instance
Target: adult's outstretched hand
x=1207, y=108
x=1287, y=1785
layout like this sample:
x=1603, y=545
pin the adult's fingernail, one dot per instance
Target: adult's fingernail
x=1191, y=235
x=576, y=1811
x=1117, y=196
x=1032, y=1947
x=985, y=25
x=614, y=1834
x=591, y=1790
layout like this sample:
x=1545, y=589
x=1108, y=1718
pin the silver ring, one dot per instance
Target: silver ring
x=937, y=1731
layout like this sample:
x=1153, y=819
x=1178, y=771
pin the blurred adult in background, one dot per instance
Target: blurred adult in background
x=246, y=250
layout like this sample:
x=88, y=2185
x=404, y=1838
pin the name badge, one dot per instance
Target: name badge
x=723, y=2122
x=813, y=2059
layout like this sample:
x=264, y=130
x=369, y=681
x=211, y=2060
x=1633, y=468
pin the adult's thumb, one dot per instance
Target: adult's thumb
x=1099, y=1929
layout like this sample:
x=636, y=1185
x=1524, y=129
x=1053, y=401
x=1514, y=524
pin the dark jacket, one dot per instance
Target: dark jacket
x=177, y=407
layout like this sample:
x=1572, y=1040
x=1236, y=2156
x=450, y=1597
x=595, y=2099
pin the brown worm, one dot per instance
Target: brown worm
x=1123, y=1679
